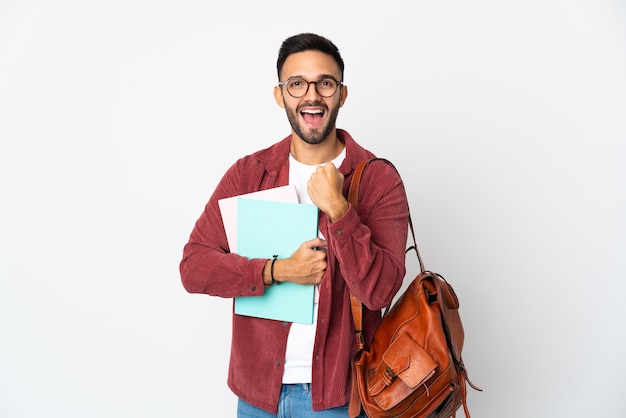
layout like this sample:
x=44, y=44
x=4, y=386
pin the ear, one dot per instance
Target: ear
x=278, y=96
x=343, y=95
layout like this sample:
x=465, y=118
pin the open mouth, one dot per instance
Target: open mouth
x=313, y=117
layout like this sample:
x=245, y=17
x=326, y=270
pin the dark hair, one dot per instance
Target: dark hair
x=307, y=42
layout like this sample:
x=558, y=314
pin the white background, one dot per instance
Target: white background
x=118, y=118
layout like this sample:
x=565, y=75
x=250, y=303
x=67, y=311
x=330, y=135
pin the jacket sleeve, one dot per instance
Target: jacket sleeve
x=207, y=264
x=370, y=243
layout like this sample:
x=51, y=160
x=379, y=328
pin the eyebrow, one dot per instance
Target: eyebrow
x=319, y=78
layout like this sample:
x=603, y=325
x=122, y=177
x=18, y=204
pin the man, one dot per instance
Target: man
x=277, y=367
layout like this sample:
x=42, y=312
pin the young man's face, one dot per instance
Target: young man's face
x=312, y=117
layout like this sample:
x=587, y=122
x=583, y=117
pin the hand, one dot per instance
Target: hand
x=325, y=188
x=305, y=266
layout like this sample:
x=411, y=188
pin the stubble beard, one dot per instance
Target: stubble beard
x=315, y=136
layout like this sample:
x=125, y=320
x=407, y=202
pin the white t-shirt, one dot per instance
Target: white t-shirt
x=299, y=355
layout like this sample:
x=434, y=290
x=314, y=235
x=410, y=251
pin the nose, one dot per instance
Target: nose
x=311, y=91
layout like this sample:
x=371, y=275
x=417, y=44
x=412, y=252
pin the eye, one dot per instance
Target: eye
x=295, y=83
x=327, y=82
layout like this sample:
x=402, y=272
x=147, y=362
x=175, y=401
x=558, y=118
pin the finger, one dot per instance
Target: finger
x=315, y=242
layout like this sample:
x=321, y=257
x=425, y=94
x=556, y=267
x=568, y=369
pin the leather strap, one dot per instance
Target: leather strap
x=353, y=198
x=355, y=304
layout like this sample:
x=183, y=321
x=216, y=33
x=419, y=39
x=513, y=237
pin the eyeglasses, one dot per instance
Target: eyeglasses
x=298, y=87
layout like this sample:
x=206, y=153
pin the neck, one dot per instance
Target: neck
x=315, y=154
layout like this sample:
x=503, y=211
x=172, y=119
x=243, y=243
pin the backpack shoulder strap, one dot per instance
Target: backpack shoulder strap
x=353, y=197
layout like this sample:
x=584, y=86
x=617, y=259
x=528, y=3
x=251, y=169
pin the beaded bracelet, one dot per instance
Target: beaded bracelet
x=274, y=257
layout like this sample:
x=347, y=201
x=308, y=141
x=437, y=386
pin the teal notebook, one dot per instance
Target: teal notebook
x=265, y=228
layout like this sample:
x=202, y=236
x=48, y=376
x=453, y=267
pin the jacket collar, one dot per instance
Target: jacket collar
x=276, y=156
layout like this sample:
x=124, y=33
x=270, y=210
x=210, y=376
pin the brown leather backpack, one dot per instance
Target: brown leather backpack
x=413, y=368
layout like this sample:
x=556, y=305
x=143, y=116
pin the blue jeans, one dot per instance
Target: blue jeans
x=295, y=402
